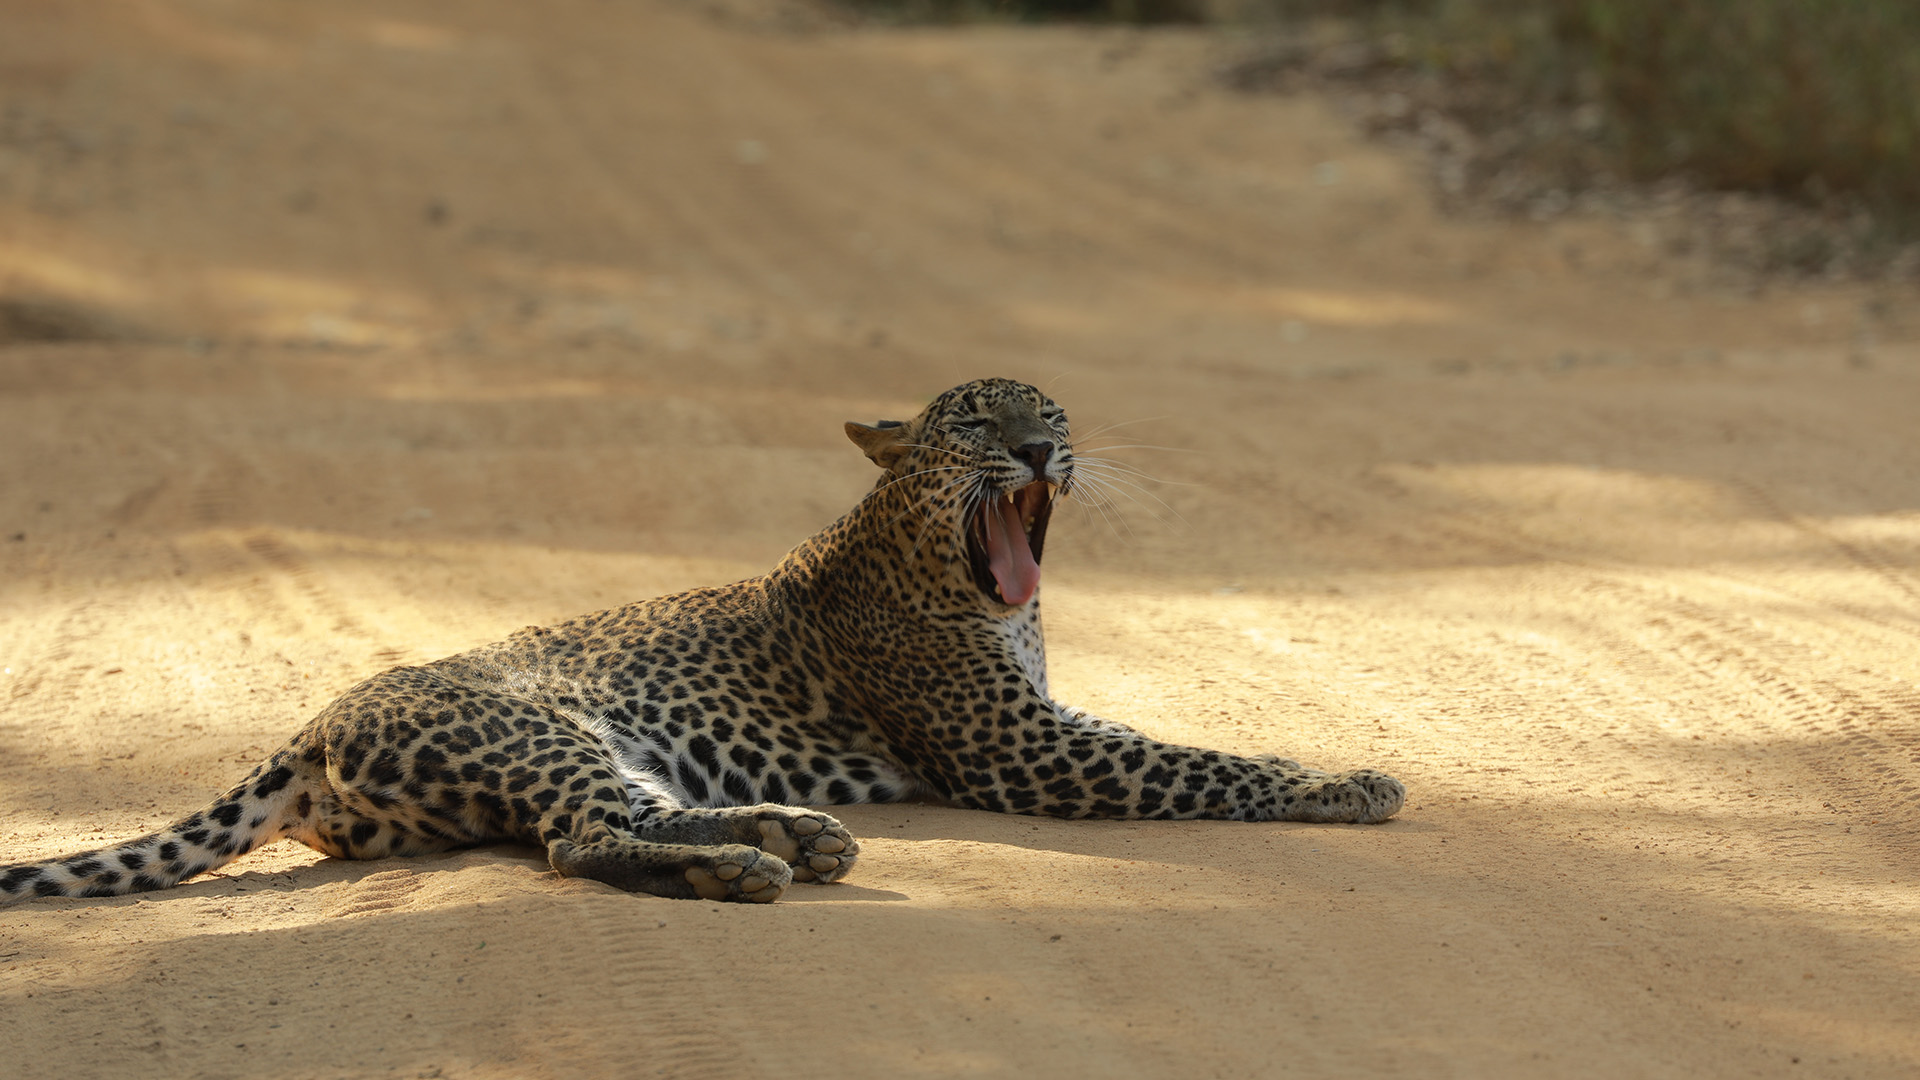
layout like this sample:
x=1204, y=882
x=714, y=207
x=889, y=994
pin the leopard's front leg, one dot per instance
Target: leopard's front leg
x=1362, y=796
x=1032, y=757
x=815, y=845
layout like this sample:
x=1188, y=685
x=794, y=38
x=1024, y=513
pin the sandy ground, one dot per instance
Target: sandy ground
x=352, y=334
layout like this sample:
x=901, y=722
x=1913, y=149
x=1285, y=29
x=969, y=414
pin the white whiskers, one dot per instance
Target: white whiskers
x=1100, y=483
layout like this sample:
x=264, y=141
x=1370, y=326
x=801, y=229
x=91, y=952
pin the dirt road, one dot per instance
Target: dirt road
x=344, y=335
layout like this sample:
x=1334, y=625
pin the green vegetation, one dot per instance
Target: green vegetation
x=1808, y=98
x=1103, y=11
x=1816, y=100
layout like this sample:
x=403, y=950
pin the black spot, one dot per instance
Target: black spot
x=272, y=782
x=386, y=770
x=132, y=860
x=17, y=878
x=737, y=789
x=169, y=851
x=492, y=806
x=351, y=757
x=85, y=867
x=227, y=814
x=705, y=752
x=361, y=833
x=691, y=782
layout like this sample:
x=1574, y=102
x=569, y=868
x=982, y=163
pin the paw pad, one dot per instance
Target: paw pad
x=730, y=880
x=817, y=847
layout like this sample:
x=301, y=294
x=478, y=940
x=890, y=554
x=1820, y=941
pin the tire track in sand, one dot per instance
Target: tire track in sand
x=626, y=946
x=1856, y=731
x=1899, y=578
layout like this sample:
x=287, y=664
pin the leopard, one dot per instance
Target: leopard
x=683, y=746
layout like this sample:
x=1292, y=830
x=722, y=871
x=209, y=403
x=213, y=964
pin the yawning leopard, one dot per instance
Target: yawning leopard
x=658, y=746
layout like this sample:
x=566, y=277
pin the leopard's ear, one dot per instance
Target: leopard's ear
x=881, y=442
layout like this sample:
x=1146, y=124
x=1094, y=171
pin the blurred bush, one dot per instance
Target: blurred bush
x=1813, y=99
x=1799, y=97
x=1141, y=12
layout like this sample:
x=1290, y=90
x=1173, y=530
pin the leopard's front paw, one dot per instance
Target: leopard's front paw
x=819, y=848
x=721, y=872
x=739, y=874
x=1363, y=796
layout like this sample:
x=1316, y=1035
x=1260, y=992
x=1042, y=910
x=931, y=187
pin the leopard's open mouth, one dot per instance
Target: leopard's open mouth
x=1004, y=541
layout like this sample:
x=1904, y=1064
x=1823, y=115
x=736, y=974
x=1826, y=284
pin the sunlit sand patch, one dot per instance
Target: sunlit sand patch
x=519, y=390
x=1840, y=1031
x=36, y=269
x=1345, y=308
x=417, y=595
x=1323, y=307
x=197, y=36
x=297, y=308
x=1899, y=529
x=411, y=36
x=1566, y=487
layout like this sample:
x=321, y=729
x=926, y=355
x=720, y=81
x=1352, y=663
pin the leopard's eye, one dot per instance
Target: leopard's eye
x=972, y=424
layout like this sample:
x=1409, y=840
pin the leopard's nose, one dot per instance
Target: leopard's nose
x=1036, y=454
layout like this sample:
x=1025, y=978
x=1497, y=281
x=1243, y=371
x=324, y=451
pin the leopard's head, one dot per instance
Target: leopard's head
x=985, y=460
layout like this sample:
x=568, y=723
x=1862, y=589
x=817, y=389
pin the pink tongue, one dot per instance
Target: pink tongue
x=1009, y=555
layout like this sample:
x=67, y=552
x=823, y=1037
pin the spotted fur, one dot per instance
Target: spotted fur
x=658, y=746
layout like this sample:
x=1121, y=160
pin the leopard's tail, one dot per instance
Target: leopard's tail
x=258, y=810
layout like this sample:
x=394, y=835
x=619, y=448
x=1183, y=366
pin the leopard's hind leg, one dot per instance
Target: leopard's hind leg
x=416, y=757
x=815, y=845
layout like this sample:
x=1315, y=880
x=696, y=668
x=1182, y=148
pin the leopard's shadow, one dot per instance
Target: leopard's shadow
x=1192, y=843
x=373, y=884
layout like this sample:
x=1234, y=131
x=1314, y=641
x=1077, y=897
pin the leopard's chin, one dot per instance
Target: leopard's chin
x=1005, y=539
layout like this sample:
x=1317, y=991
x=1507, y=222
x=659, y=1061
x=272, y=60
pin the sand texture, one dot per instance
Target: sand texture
x=335, y=336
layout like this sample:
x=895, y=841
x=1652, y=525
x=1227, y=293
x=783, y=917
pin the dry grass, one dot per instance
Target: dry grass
x=1812, y=98
x=1817, y=101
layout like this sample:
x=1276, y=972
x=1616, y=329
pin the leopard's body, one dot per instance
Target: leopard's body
x=657, y=746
